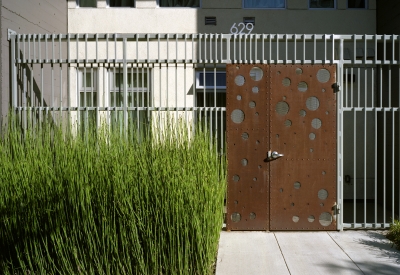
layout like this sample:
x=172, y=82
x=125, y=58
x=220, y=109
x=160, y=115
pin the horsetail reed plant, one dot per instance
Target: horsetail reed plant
x=104, y=203
x=394, y=233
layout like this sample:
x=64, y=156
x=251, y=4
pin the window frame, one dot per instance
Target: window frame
x=88, y=90
x=334, y=6
x=94, y=79
x=209, y=88
x=79, y=6
x=284, y=8
x=366, y=6
x=134, y=5
x=199, y=7
x=113, y=88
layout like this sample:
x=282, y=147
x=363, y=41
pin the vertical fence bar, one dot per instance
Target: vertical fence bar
x=376, y=167
x=393, y=153
x=380, y=86
x=184, y=79
x=68, y=80
x=373, y=103
x=340, y=132
x=365, y=165
x=384, y=166
x=214, y=113
x=263, y=48
x=240, y=48
x=176, y=91
x=277, y=48
x=390, y=85
x=61, y=91
x=355, y=166
x=351, y=87
x=358, y=88
x=14, y=81
x=125, y=81
x=78, y=95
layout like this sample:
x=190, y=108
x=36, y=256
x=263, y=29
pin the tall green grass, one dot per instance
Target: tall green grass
x=101, y=203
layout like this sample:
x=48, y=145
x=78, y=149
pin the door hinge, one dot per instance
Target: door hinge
x=336, y=87
x=336, y=209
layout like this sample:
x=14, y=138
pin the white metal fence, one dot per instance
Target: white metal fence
x=129, y=79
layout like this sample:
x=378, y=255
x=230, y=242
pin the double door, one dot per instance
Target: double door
x=281, y=147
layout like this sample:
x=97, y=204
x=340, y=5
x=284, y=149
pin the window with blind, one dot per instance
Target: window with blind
x=121, y=3
x=264, y=4
x=87, y=3
x=322, y=4
x=179, y=3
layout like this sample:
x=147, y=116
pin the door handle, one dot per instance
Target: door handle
x=274, y=155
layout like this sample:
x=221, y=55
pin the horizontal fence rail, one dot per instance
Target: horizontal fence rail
x=131, y=80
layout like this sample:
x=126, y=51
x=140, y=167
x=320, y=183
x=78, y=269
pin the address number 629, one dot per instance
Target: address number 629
x=241, y=27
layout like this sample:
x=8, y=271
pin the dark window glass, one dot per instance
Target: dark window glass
x=357, y=4
x=179, y=3
x=122, y=3
x=88, y=3
x=322, y=4
x=264, y=4
x=210, y=83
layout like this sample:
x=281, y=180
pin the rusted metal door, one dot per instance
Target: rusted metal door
x=281, y=135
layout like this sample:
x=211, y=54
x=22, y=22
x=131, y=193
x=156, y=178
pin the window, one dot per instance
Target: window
x=137, y=88
x=138, y=96
x=357, y=4
x=214, y=81
x=88, y=87
x=264, y=4
x=207, y=97
x=87, y=3
x=210, y=78
x=179, y=3
x=322, y=4
x=121, y=3
x=87, y=83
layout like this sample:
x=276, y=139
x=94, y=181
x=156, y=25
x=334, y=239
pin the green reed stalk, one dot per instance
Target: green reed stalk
x=100, y=203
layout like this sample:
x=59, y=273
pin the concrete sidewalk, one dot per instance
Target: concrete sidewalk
x=348, y=252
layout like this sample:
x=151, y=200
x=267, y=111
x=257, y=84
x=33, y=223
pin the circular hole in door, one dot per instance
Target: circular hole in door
x=286, y=82
x=325, y=219
x=235, y=217
x=237, y=116
x=256, y=74
x=312, y=103
x=322, y=194
x=316, y=123
x=302, y=86
x=323, y=75
x=239, y=80
x=282, y=108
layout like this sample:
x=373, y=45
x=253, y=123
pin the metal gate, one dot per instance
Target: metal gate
x=281, y=136
x=130, y=80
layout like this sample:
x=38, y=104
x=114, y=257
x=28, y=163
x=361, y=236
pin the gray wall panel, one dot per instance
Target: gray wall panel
x=22, y=16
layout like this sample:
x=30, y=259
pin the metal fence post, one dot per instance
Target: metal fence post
x=339, y=101
x=125, y=80
x=11, y=37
